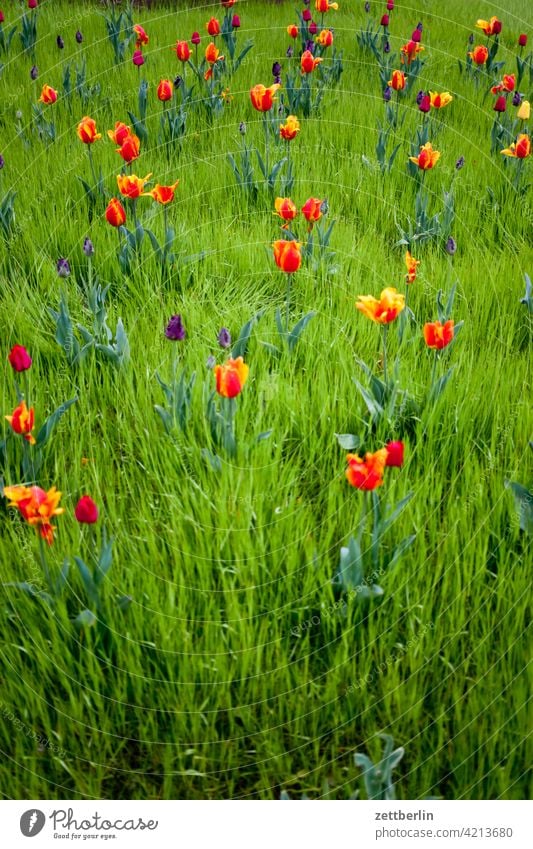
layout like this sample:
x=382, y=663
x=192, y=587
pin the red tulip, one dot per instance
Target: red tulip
x=86, y=511
x=394, y=454
x=19, y=359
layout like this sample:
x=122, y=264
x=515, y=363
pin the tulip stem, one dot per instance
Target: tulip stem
x=91, y=163
x=287, y=303
x=44, y=564
x=434, y=372
x=385, y=331
x=267, y=170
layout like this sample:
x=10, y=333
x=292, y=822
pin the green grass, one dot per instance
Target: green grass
x=215, y=685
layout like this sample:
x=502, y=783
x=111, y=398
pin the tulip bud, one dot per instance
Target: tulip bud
x=242, y=128
x=290, y=52
x=224, y=338
x=175, y=330
x=60, y=43
x=2, y=19
x=367, y=7
x=384, y=21
x=19, y=359
x=313, y=29
x=497, y=27
x=517, y=98
x=276, y=69
x=390, y=5
x=86, y=511
x=387, y=93
x=522, y=40
x=451, y=246
x=501, y=104
x=32, y=4
x=195, y=38
x=235, y=22
x=177, y=81
x=395, y=452
x=88, y=247
x=34, y=73
x=386, y=48
x=471, y=38
x=2, y=162
x=416, y=36
x=419, y=26
x=306, y=15
x=63, y=267
x=210, y=362
x=425, y=103
x=79, y=37
x=459, y=164
x=138, y=58
x=419, y=96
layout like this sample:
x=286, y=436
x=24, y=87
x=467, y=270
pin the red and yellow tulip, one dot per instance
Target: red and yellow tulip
x=164, y=91
x=115, y=213
x=287, y=255
x=323, y=6
x=410, y=51
x=286, y=209
x=492, y=27
x=140, y=32
x=384, y=310
x=130, y=148
x=397, y=80
x=119, y=133
x=163, y=194
x=231, y=377
x=183, y=51
x=366, y=474
x=521, y=149
x=479, y=54
x=36, y=507
x=312, y=210
x=308, y=62
x=325, y=38
x=22, y=421
x=437, y=335
x=48, y=95
x=290, y=129
x=87, y=131
x=131, y=186
x=427, y=158
x=438, y=100
x=263, y=98
x=411, y=264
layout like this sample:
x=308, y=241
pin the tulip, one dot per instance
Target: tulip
x=306, y=15
x=138, y=58
x=427, y=158
x=263, y=98
x=479, y=54
x=130, y=147
x=416, y=35
x=410, y=51
x=2, y=18
x=312, y=210
x=451, y=246
x=286, y=209
x=324, y=6
x=60, y=43
x=507, y=84
x=131, y=186
x=517, y=98
x=460, y=163
x=87, y=131
x=366, y=474
x=88, y=247
x=287, y=255
x=22, y=421
x=34, y=72
x=425, y=103
x=397, y=82
x=387, y=93
x=86, y=511
x=235, y=22
x=308, y=63
x=163, y=194
x=313, y=29
x=63, y=267
x=390, y=5
x=520, y=150
x=183, y=51
x=384, y=20
x=142, y=38
x=290, y=129
x=119, y=133
x=175, y=330
x=522, y=40
x=32, y=4
x=501, y=104
x=36, y=507
x=395, y=452
x=212, y=54
x=164, y=91
x=524, y=112
x=79, y=37
x=195, y=39
x=292, y=31
x=492, y=27
x=437, y=336
x=48, y=95
x=224, y=337
x=228, y=3
x=411, y=264
x=213, y=27
x=115, y=214
x=440, y=100
x=389, y=306
x=325, y=38
x=19, y=359
x=231, y=377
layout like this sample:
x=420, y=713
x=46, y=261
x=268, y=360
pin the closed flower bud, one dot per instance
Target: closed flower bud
x=386, y=48
x=517, y=98
x=195, y=38
x=522, y=40
x=138, y=58
x=390, y=5
x=60, y=43
x=460, y=163
x=224, y=338
x=367, y=7
x=451, y=246
x=384, y=21
x=86, y=511
x=79, y=37
x=395, y=451
x=2, y=19
x=177, y=81
x=425, y=103
x=88, y=247
x=242, y=128
x=313, y=29
x=387, y=93
x=416, y=36
x=175, y=330
x=235, y=22
x=501, y=104
x=306, y=15
x=63, y=267
x=115, y=214
x=2, y=162
x=164, y=91
x=34, y=72
x=19, y=359
x=290, y=52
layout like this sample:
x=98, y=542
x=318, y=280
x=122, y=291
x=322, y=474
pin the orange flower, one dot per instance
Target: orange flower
x=119, y=133
x=213, y=27
x=308, y=63
x=48, y=95
x=440, y=100
x=507, y=84
x=163, y=194
x=366, y=474
x=389, y=306
x=397, y=82
x=231, y=377
x=164, y=91
x=287, y=255
x=292, y=30
x=325, y=6
x=312, y=210
x=427, y=158
x=492, y=27
x=325, y=38
x=290, y=129
x=115, y=214
x=140, y=32
x=183, y=51
x=87, y=131
x=263, y=98
x=521, y=149
x=410, y=51
x=479, y=54
x=438, y=335
x=36, y=506
x=286, y=209
x=131, y=186
x=411, y=265
x=212, y=54
x=130, y=148
x=22, y=421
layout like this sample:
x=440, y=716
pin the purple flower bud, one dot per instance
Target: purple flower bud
x=63, y=267
x=242, y=128
x=277, y=80
x=210, y=362
x=290, y=52
x=276, y=69
x=79, y=37
x=459, y=164
x=419, y=96
x=224, y=337
x=175, y=329
x=310, y=45
x=419, y=26
x=34, y=73
x=307, y=2
x=60, y=43
x=451, y=246
x=387, y=94
x=517, y=98
x=2, y=162
x=88, y=247
x=386, y=48
x=367, y=7
x=177, y=81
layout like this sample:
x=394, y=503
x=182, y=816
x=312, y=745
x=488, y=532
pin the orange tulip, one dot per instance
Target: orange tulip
x=119, y=133
x=130, y=148
x=440, y=100
x=427, y=158
x=183, y=51
x=115, y=214
x=438, y=335
x=164, y=91
x=36, y=506
x=410, y=51
x=324, y=6
x=308, y=63
x=287, y=255
x=312, y=210
x=286, y=209
x=521, y=149
x=87, y=131
x=397, y=82
x=231, y=377
x=479, y=54
x=389, y=306
x=263, y=98
x=48, y=95
x=163, y=194
x=411, y=265
x=492, y=27
x=212, y=54
x=22, y=421
x=131, y=186
x=290, y=129
x=366, y=474
x=325, y=38
x=213, y=27
x=508, y=83
x=292, y=30
x=140, y=32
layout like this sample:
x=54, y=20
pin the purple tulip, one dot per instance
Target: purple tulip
x=34, y=73
x=79, y=37
x=63, y=267
x=175, y=329
x=60, y=43
x=88, y=247
x=451, y=246
x=224, y=337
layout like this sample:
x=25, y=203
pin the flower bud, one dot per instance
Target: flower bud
x=451, y=246
x=86, y=511
x=88, y=247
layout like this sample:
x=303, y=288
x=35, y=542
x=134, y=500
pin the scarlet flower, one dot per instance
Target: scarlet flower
x=290, y=129
x=86, y=511
x=36, y=507
x=427, y=158
x=22, y=421
x=522, y=40
x=325, y=38
x=501, y=104
x=437, y=335
x=2, y=18
x=131, y=186
x=397, y=81
x=48, y=95
x=308, y=63
x=231, y=377
x=292, y=30
x=263, y=98
x=213, y=27
x=164, y=91
x=140, y=32
x=384, y=20
x=130, y=148
x=286, y=209
x=287, y=255
x=115, y=214
x=306, y=15
x=507, y=83
x=87, y=131
x=479, y=54
x=395, y=452
x=311, y=210
x=119, y=133
x=163, y=194
x=389, y=306
x=410, y=51
x=19, y=359
x=324, y=6
x=366, y=474
x=313, y=28
x=411, y=265
x=440, y=100
x=183, y=51
x=235, y=22
x=228, y=3
x=520, y=150
x=492, y=27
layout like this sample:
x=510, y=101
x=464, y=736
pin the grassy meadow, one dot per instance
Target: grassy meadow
x=223, y=661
